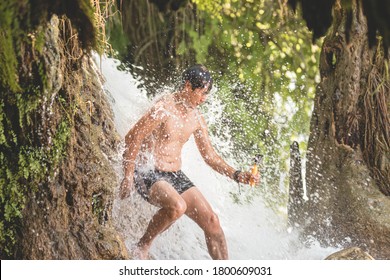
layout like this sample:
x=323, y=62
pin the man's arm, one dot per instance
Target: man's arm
x=133, y=141
x=211, y=157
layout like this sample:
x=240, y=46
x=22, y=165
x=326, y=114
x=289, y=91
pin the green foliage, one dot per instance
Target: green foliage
x=201, y=43
x=266, y=73
x=118, y=39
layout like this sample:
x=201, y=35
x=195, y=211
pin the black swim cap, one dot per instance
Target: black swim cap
x=198, y=76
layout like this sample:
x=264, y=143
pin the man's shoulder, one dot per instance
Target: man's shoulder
x=162, y=107
x=165, y=101
x=199, y=115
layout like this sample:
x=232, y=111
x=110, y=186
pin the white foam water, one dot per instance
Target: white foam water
x=252, y=230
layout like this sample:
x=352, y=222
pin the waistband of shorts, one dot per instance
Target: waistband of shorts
x=158, y=171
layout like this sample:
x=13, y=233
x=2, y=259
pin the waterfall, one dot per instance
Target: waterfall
x=252, y=230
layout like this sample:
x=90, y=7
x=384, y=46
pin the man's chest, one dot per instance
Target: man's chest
x=179, y=128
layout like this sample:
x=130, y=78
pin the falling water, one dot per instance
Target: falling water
x=252, y=230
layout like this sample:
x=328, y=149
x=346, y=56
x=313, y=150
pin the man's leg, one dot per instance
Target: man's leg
x=199, y=210
x=173, y=206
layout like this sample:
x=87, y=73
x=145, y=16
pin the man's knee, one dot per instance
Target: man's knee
x=177, y=209
x=213, y=225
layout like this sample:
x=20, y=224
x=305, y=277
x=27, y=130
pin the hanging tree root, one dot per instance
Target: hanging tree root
x=376, y=142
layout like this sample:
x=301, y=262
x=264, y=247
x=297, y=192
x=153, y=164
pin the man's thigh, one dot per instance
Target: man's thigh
x=163, y=194
x=198, y=208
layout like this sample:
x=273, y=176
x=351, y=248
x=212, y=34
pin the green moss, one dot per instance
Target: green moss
x=3, y=139
x=98, y=207
x=25, y=167
x=38, y=40
x=8, y=60
x=85, y=18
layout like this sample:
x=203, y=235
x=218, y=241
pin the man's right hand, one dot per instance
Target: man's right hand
x=127, y=187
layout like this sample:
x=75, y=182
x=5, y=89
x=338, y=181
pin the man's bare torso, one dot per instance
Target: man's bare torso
x=168, y=139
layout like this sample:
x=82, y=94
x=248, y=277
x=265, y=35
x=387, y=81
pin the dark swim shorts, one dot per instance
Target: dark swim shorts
x=145, y=180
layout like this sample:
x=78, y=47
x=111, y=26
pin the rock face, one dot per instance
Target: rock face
x=353, y=253
x=348, y=153
x=69, y=216
x=296, y=192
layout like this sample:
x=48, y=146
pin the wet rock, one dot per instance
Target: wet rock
x=110, y=246
x=345, y=184
x=353, y=253
x=69, y=216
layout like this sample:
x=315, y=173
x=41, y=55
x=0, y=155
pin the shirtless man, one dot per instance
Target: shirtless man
x=162, y=132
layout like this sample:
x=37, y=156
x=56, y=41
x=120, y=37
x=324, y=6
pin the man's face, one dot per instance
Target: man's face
x=199, y=95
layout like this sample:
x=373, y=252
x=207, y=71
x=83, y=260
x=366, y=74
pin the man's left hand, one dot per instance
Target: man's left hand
x=246, y=177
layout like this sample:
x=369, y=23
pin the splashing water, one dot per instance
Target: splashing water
x=252, y=230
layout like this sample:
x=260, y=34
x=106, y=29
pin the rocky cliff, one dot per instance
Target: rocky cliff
x=60, y=159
